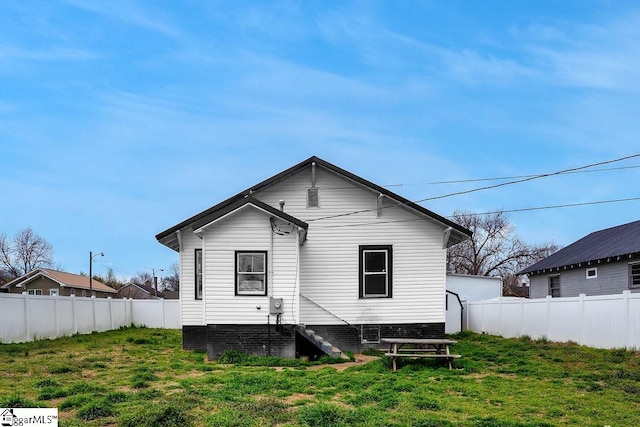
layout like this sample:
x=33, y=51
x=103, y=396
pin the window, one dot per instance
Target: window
x=251, y=273
x=84, y=293
x=634, y=275
x=54, y=292
x=312, y=197
x=198, y=269
x=554, y=286
x=375, y=271
x=72, y=292
x=592, y=273
x=35, y=291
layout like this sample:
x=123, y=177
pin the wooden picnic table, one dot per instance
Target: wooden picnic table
x=420, y=348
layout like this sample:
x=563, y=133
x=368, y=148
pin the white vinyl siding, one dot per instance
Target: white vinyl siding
x=249, y=230
x=191, y=308
x=329, y=258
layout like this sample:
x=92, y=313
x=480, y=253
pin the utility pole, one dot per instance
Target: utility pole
x=91, y=256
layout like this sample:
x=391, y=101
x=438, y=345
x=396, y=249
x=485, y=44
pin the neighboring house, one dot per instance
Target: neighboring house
x=43, y=281
x=135, y=291
x=604, y=262
x=314, y=248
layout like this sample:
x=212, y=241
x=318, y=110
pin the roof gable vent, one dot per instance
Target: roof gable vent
x=312, y=197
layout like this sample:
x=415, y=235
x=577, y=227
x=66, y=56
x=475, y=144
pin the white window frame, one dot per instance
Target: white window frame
x=240, y=274
x=387, y=272
x=72, y=292
x=84, y=293
x=595, y=273
x=54, y=292
x=197, y=267
x=34, y=291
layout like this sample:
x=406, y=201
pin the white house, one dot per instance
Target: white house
x=313, y=251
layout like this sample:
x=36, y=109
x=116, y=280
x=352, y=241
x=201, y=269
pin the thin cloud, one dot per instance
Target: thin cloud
x=129, y=13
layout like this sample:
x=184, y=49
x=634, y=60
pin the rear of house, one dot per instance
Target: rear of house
x=314, y=248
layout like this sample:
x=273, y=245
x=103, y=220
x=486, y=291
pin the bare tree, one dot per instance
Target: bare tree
x=25, y=252
x=110, y=279
x=494, y=249
x=171, y=282
x=143, y=278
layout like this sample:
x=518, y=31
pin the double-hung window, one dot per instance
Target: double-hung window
x=375, y=271
x=198, y=273
x=554, y=286
x=34, y=291
x=251, y=273
x=634, y=275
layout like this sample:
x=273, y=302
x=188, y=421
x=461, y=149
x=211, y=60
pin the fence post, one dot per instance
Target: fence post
x=522, y=317
x=93, y=304
x=500, y=316
x=583, y=317
x=73, y=314
x=482, y=321
x=164, y=320
x=548, y=317
x=55, y=313
x=110, y=313
x=627, y=317
x=27, y=330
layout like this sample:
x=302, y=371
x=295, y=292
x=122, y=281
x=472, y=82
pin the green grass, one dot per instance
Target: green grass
x=142, y=377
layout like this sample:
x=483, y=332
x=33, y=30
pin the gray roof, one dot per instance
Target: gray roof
x=607, y=245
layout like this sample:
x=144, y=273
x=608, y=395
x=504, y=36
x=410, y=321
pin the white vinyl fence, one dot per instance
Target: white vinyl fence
x=31, y=317
x=608, y=321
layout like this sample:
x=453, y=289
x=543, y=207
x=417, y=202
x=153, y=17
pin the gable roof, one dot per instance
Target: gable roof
x=169, y=237
x=63, y=278
x=144, y=288
x=238, y=204
x=604, y=245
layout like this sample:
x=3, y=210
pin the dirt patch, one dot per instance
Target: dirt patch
x=361, y=359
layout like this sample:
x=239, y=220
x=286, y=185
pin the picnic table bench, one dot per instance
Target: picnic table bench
x=437, y=348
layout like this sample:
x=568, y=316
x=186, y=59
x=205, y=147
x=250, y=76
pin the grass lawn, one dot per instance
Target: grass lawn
x=142, y=377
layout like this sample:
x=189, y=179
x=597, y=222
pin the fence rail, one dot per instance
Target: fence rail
x=30, y=317
x=607, y=321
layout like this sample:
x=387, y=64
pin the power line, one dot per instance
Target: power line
x=463, y=181
x=531, y=178
x=458, y=193
x=568, y=205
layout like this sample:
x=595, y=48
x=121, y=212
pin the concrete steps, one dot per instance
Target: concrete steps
x=325, y=346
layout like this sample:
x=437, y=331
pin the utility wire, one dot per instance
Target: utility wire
x=531, y=178
x=568, y=205
x=458, y=193
x=463, y=181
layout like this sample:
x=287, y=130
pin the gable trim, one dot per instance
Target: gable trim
x=169, y=238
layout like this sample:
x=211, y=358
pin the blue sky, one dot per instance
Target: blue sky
x=120, y=119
